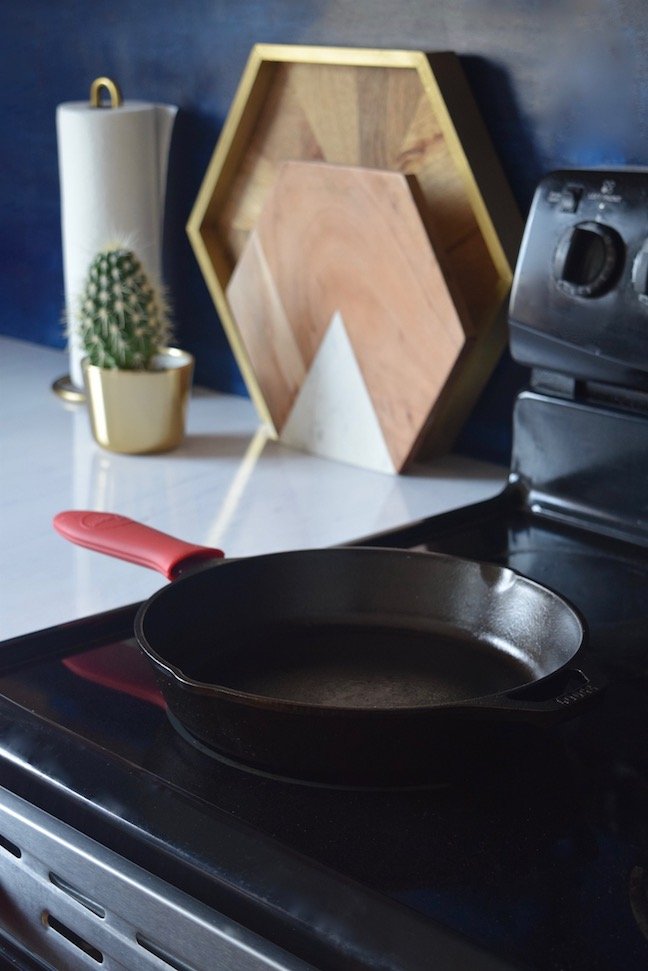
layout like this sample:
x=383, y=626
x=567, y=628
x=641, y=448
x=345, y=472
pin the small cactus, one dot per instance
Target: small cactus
x=122, y=319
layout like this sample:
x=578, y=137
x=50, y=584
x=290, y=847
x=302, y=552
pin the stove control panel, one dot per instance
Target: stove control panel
x=579, y=302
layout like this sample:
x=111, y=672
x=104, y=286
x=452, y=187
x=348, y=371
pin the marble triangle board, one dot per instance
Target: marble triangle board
x=332, y=413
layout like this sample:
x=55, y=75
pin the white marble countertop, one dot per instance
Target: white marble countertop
x=228, y=485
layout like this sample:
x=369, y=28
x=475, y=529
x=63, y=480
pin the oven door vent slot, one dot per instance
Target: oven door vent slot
x=10, y=847
x=80, y=942
x=160, y=952
x=76, y=894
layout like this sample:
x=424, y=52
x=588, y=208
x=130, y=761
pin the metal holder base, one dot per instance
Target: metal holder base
x=64, y=388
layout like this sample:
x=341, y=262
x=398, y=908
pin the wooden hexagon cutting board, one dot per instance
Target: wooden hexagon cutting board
x=349, y=318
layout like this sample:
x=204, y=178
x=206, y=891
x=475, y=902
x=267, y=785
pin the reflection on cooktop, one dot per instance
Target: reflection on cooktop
x=606, y=581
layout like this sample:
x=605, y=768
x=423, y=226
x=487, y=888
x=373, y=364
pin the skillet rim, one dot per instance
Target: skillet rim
x=477, y=703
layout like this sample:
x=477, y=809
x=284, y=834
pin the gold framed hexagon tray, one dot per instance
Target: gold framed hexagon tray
x=404, y=112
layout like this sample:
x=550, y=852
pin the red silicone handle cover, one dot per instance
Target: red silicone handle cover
x=129, y=540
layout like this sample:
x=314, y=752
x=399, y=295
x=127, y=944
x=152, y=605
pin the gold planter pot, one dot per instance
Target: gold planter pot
x=137, y=412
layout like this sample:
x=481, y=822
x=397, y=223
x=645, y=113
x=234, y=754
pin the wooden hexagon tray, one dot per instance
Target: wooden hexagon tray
x=396, y=111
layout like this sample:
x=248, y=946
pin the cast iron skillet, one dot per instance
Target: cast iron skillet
x=346, y=665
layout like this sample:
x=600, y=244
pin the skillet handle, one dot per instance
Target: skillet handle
x=129, y=540
x=571, y=687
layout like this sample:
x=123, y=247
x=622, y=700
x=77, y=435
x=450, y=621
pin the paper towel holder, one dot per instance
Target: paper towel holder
x=64, y=387
x=112, y=89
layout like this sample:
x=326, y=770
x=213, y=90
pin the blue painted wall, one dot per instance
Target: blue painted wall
x=558, y=84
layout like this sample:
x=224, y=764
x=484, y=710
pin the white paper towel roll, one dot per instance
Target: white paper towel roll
x=112, y=168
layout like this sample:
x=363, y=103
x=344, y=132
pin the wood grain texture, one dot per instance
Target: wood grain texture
x=374, y=117
x=350, y=241
x=271, y=343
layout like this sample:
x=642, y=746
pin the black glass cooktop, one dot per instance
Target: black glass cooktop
x=535, y=850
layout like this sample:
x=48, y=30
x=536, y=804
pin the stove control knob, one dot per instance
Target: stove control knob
x=640, y=273
x=588, y=259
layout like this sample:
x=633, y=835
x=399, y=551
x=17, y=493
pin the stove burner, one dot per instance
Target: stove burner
x=309, y=783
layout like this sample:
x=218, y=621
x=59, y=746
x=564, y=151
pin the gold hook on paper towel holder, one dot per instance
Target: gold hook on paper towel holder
x=111, y=87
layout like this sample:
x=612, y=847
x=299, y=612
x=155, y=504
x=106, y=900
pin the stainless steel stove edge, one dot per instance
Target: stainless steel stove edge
x=76, y=904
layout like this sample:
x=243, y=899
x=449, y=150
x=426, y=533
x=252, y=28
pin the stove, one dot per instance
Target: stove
x=123, y=845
